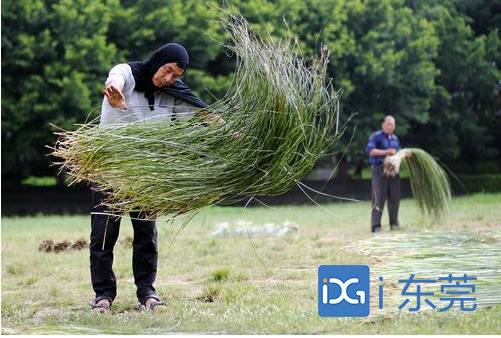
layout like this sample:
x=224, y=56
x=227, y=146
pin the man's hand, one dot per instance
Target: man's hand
x=115, y=97
x=390, y=152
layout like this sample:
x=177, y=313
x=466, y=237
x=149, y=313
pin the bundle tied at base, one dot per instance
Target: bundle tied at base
x=429, y=182
x=279, y=118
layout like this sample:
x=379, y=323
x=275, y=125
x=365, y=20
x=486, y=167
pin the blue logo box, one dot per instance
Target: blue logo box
x=343, y=290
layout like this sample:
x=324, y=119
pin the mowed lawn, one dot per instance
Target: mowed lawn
x=237, y=284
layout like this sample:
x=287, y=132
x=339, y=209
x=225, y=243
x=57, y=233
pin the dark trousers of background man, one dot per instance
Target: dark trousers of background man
x=105, y=229
x=383, y=188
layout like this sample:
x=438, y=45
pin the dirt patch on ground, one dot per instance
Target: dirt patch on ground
x=49, y=245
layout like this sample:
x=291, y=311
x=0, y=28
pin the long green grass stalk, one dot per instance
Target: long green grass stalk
x=429, y=182
x=279, y=118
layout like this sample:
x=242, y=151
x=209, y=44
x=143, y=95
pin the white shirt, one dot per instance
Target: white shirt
x=166, y=106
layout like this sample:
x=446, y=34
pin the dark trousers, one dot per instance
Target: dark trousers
x=104, y=235
x=384, y=188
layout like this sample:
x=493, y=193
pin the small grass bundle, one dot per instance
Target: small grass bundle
x=279, y=118
x=429, y=183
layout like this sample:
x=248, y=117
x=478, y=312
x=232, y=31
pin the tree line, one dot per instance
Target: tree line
x=433, y=64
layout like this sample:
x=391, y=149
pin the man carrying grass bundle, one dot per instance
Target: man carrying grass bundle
x=381, y=144
x=137, y=91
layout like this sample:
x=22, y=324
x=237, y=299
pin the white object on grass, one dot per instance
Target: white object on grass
x=246, y=228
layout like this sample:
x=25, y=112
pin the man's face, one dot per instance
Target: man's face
x=167, y=74
x=389, y=125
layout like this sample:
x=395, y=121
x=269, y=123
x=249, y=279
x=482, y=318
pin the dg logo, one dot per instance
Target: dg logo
x=343, y=290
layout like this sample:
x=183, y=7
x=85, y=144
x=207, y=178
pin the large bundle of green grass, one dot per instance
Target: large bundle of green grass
x=429, y=183
x=279, y=117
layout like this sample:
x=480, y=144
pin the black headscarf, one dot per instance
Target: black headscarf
x=143, y=72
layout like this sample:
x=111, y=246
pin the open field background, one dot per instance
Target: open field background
x=237, y=284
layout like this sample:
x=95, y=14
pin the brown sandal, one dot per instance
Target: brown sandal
x=101, y=305
x=152, y=304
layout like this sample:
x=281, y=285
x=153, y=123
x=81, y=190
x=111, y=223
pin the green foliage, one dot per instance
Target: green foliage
x=477, y=183
x=44, y=181
x=55, y=57
x=433, y=64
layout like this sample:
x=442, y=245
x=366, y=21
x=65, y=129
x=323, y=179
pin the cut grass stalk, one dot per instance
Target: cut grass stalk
x=429, y=183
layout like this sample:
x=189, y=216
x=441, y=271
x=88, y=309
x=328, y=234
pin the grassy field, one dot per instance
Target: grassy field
x=255, y=285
